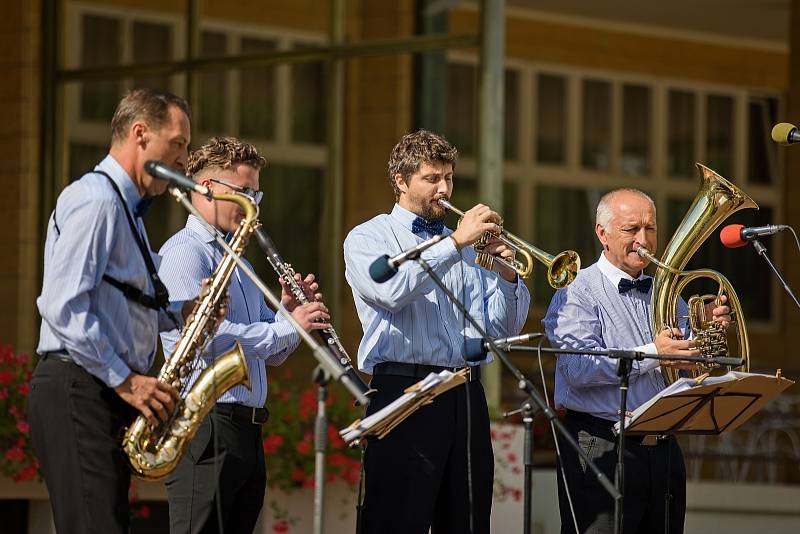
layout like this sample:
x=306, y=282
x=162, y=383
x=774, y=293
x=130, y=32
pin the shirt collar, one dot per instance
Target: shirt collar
x=196, y=226
x=123, y=180
x=613, y=273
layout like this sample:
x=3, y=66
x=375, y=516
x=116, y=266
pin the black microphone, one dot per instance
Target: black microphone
x=475, y=348
x=163, y=172
x=736, y=235
x=385, y=267
x=785, y=133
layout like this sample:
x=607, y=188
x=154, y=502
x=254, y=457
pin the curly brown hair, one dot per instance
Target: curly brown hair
x=224, y=153
x=415, y=149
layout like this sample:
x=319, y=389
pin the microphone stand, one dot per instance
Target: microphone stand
x=329, y=366
x=762, y=251
x=526, y=386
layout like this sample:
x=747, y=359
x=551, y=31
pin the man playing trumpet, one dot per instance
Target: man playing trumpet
x=416, y=476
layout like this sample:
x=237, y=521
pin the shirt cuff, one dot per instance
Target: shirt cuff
x=116, y=373
x=648, y=364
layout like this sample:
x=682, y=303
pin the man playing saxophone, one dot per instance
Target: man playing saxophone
x=223, y=468
x=101, y=311
x=608, y=306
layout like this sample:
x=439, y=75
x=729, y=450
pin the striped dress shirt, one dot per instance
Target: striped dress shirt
x=88, y=236
x=408, y=319
x=192, y=255
x=591, y=314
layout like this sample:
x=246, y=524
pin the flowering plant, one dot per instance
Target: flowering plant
x=17, y=461
x=289, y=434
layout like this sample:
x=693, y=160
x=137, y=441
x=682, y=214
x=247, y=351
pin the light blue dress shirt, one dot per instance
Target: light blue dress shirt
x=591, y=314
x=408, y=319
x=192, y=255
x=102, y=331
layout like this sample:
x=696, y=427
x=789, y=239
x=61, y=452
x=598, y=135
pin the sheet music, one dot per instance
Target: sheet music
x=685, y=384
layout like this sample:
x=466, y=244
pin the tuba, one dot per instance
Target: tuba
x=153, y=453
x=561, y=268
x=716, y=200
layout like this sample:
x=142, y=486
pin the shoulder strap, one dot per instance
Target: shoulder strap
x=161, y=298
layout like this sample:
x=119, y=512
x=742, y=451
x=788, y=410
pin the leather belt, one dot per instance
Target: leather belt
x=242, y=413
x=58, y=355
x=420, y=370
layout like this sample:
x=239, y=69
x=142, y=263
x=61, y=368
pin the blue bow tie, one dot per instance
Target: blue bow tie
x=142, y=207
x=420, y=225
x=642, y=285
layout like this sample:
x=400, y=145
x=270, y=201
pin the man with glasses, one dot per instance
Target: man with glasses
x=223, y=470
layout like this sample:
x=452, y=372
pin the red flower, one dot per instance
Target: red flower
x=6, y=377
x=24, y=388
x=304, y=447
x=23, y=426
x=298, y=475
x=272, y=443
x=334, y=438
x=307, y=404
x=29, y=473
x=15, y=454
x=512, y=457
x=3, y=393
x=23, y=358
x=280, y=527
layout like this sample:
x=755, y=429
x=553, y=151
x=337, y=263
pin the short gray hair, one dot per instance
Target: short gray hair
x=605, y=213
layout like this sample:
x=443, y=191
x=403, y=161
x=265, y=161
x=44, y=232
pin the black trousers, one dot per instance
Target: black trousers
x=416, y=476
x=232, y=470
x=651, y=471
x=76, y=429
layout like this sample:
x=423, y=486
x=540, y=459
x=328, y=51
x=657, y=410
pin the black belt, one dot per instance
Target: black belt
x=58, y=355
x=242, y=413
x=647, y=440
x=420, y=370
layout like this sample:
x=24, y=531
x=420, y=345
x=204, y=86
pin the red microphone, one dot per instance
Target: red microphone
x=737, y=235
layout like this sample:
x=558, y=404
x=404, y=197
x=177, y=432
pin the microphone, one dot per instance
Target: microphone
x=161, y=171
x=737, y=235
x=785, y=133
x=475, y=348
x=385, y=267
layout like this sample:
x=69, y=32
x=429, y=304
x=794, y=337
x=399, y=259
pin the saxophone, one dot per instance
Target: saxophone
x=328, y=335
x=153, y=453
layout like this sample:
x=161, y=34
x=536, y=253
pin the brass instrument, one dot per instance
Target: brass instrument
x=155, y=452
x=714, y=202
x=328, y=335
x=561, y=268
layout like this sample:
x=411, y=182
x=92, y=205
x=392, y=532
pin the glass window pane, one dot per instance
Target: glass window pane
x=308, y=102
x=635, y=130
x=719, y=140
x=257, y=94
x=461, y=98
x=596, y=151
x=152, y=42
x=564, y=220
x=745, y=271
x=551, y=107
x=511, y=144
x=762, y=160
x=211, y=86
x=100, y=47
x=681, y=134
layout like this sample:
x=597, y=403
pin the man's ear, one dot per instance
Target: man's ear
x=401, y=183
x=140, y=134
x=601, y=235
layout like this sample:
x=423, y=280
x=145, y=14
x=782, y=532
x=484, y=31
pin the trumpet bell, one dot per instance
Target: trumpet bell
x=563, y=269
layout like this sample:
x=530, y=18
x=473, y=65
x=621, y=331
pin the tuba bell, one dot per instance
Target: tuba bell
x=715, y=201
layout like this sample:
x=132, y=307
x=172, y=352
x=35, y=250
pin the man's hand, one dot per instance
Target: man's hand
x=309, y=286
x=154, y=399
x=495, y=247
x=476, y=222
x=312, y=316
x=719, y=313
x=671, y=342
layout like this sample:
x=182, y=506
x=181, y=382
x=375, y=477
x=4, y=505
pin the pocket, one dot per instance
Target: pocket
x=595, y=448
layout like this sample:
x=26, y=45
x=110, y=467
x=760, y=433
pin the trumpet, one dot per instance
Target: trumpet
x=561, y=268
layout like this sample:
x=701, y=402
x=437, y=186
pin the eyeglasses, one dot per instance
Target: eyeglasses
x=249, y=191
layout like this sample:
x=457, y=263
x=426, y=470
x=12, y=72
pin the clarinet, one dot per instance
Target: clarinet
x=328, y=335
